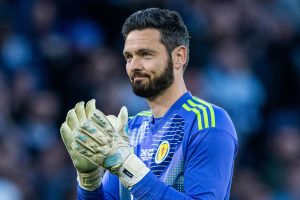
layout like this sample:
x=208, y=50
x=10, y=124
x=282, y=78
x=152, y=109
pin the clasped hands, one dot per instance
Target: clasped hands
x=96, y=143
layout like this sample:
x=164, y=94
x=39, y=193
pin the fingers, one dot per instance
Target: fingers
x=72, y=120
x=122, y=122
x=91, y=139
x=113, y=121
x=94, y=139
x=66, y=134
x=100, y=120
x=90, y=107
x=80, y=111
x=122, y=119
x=84, y=123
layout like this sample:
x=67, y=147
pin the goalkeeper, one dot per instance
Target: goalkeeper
x=182, y=148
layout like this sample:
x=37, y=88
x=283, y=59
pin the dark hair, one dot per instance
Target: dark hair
x=169, y=23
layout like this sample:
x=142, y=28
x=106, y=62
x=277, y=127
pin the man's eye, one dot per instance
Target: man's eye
x=128, y=58
x=147, y=55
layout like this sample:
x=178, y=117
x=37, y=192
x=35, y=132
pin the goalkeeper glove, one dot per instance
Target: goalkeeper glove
x=89, y=174
x=103, y=141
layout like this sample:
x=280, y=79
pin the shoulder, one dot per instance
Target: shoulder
x=199, y=111
x=209, y=127
x=202, y=115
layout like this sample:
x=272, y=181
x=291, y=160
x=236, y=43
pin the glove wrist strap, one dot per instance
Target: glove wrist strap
x=132, y=171
x=91, y=180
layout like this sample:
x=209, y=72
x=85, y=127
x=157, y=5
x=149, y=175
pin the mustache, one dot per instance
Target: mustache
x=135, y=74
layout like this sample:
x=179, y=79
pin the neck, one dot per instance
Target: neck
x=161, y=104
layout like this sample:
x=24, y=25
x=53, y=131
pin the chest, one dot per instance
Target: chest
x=160, y=148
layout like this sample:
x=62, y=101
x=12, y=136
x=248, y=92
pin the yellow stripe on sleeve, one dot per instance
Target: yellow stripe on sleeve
x=211, y=110
x=205, y=116
x=198, y=114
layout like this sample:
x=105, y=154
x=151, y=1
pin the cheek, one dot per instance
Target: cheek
x=128, y=70
x=158, y=67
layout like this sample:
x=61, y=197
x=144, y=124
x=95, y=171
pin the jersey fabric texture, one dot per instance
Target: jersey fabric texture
x=190, y=152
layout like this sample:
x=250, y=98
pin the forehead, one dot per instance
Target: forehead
x=148, y=38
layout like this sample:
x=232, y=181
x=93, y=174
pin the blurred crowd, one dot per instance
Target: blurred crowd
x=245, y=57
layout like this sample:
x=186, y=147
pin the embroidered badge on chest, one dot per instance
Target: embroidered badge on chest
x=162, y=152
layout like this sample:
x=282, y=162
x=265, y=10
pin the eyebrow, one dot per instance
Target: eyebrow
x=139, y=51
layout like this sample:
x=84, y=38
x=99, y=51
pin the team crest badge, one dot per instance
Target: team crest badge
x=162, y=152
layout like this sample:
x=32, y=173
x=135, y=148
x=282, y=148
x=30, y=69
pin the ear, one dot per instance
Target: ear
x=179, y=56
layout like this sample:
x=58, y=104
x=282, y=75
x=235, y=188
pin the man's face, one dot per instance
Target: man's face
x=148, y=66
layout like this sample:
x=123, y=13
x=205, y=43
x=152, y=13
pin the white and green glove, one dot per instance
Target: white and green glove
x=102, y=140
x=89, y=174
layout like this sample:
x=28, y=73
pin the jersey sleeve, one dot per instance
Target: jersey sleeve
x=108, y=190
x=209, y=164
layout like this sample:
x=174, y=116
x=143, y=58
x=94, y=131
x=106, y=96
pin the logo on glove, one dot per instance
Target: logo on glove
x=99, y=121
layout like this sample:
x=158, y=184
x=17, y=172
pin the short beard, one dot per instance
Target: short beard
x=157, y=85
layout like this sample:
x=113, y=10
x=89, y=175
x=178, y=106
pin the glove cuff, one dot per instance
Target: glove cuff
x=132, y=171
x=91, y=180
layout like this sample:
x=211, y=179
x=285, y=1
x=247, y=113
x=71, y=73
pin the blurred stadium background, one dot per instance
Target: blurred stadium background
x=245, y=57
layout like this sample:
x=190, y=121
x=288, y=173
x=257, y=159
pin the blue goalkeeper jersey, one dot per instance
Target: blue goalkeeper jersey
x=190, y=152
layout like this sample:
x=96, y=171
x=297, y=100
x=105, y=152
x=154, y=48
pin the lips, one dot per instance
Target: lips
x=138, y=79
x=137, y=76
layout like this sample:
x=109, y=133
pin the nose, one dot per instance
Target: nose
x=134, y=64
